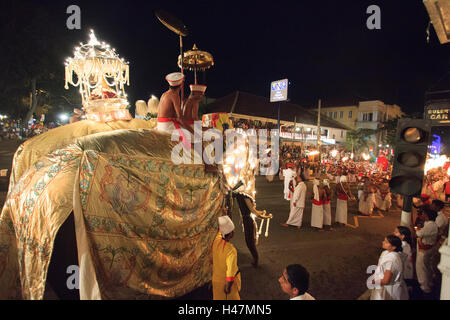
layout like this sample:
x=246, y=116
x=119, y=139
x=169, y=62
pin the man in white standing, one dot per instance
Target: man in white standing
x=426, y=240
x=289, y=175
x=317, y=209
x=298, y=204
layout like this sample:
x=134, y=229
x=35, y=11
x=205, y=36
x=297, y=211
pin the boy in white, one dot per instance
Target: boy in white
x=388, y=282
x=298, y=204
x=426, y=240
x=441, y=219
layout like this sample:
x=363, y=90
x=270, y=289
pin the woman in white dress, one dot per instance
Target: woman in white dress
x=408, y=268
x=388, y=282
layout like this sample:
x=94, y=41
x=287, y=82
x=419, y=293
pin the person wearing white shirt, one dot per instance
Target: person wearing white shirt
x=441, y=219
x=426, y=240
x=388, y=279
x=442, y=224
x=298, y=204
x=295, y=282
x=408, y=267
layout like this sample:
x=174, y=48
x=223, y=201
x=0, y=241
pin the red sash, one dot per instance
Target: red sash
x=447, y=188
x=342, y=196
x=177, y=125
x=317, y=203
x=326, y=202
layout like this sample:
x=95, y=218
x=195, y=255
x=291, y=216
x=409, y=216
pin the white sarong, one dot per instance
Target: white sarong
x=327, y=214
x=366, y=206
x=383, y=204
x=341, y=211
x=317, y=216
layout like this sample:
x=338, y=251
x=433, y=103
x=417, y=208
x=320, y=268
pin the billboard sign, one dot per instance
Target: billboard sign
x=279, y=90
x=438, y=113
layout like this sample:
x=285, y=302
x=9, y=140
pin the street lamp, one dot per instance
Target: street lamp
x=63, y=117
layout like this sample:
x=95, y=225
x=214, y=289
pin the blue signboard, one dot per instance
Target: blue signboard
x=279, y=90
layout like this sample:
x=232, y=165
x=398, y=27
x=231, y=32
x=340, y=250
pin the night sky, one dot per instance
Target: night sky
x=323, y=47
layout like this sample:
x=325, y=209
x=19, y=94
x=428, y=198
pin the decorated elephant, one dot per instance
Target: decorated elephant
x=100, y=201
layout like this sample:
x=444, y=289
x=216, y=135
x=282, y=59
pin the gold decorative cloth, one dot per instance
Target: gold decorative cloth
x=144, y=226
x=35, y=148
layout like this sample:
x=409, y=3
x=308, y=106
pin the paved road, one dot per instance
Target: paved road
x=337, y=260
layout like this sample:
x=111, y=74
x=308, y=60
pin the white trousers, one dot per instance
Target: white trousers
x=424, y=269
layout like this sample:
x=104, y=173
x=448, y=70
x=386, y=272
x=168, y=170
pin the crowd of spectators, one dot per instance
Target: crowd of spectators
x=14, y=129
x=252, y=124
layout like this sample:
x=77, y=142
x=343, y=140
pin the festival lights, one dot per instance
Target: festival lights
x=334, y=153
x=63, y=117
x=435, y=163
x=100, y=74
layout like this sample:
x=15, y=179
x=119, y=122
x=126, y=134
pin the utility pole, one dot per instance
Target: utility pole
x=278, y=122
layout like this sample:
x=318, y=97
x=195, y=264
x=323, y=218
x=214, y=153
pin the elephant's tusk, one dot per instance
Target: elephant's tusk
x=261, y=226
x=267, y=228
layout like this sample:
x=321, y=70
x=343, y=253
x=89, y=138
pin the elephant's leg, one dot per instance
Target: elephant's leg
x=64, y=255
x=250, y=238
x=202, y=293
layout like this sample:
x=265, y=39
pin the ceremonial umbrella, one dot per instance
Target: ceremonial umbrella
x=177, y=26
x=195, y=59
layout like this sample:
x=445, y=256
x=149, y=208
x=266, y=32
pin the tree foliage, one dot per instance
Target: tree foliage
x=359, y=140
x=31, y=53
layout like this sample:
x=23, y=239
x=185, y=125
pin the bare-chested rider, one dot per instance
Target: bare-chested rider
x=170, y=116
x=190, y=107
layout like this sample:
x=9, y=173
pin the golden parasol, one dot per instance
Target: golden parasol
x=195, y=59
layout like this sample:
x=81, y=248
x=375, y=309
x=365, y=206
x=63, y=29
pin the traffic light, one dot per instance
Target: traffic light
x=410, y=155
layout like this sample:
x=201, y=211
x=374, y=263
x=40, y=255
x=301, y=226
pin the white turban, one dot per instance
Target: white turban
x=225, y=225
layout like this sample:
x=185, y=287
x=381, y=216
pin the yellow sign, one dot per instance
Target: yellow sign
x=438, y=114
